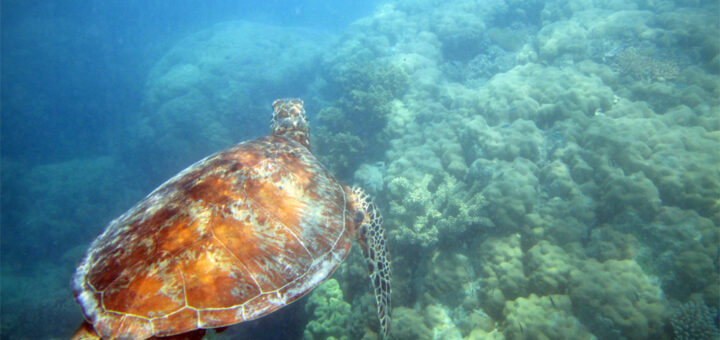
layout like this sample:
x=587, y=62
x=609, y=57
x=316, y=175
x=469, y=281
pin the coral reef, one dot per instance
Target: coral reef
x=693, y=320
x=371, y=177
x=352, y=126
x=37, y=298
x=432, y=323
x=554, y=175
x=451, y=280
x=543, y=317
x=503, y=272
x=203, y=94
x=616, y=298
x=545, y=95
x=426, y=216
x=407, y=324
x=66, y=202
x=331, y=314
x=549, y=267
x=632, y=62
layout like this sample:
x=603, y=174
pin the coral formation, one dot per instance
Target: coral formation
x=632, y=62
x=371, y=177
x=425, y=216
x=557, y=168
x=67, y=202
x=331, y=314
x=616, y=298
x=543, y=317
x=43, y=287
x=451, y=279
x=503, y=272
x=431, y=323
x=202, y=95
x=351, y=127
x=408, y=324
x=549, y=268
x=693, y=320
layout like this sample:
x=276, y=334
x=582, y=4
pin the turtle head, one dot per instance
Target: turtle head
x=289, y=120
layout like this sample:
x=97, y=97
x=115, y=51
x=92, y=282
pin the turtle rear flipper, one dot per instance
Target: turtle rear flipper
x=85, y=332
x=371, y=237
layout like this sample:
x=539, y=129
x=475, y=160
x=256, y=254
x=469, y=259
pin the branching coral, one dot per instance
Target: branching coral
x=635, y=63
x=424, y=213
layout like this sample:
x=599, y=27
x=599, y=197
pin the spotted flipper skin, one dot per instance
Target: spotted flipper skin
x=371, y=237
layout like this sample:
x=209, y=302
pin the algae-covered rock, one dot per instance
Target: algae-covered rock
x=331, y=314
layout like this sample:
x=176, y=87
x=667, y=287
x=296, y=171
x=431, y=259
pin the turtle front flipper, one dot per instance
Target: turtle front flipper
x=371, y=237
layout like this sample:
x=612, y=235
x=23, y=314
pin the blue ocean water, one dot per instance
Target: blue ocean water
x=546, y=169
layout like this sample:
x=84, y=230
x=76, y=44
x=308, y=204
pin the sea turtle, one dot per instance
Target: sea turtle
x=234, y=237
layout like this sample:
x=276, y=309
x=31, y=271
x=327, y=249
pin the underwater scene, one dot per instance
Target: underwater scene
x=545, y=169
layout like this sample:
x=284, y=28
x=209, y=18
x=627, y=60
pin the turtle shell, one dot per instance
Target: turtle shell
x=233, y=237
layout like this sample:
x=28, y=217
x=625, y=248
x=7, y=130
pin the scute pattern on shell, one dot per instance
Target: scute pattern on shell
x=233, y=237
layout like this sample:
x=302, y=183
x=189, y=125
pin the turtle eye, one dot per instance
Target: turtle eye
x=359, y=216
x=362, y=236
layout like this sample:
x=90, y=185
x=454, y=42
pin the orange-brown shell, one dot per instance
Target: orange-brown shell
x=232, y=238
